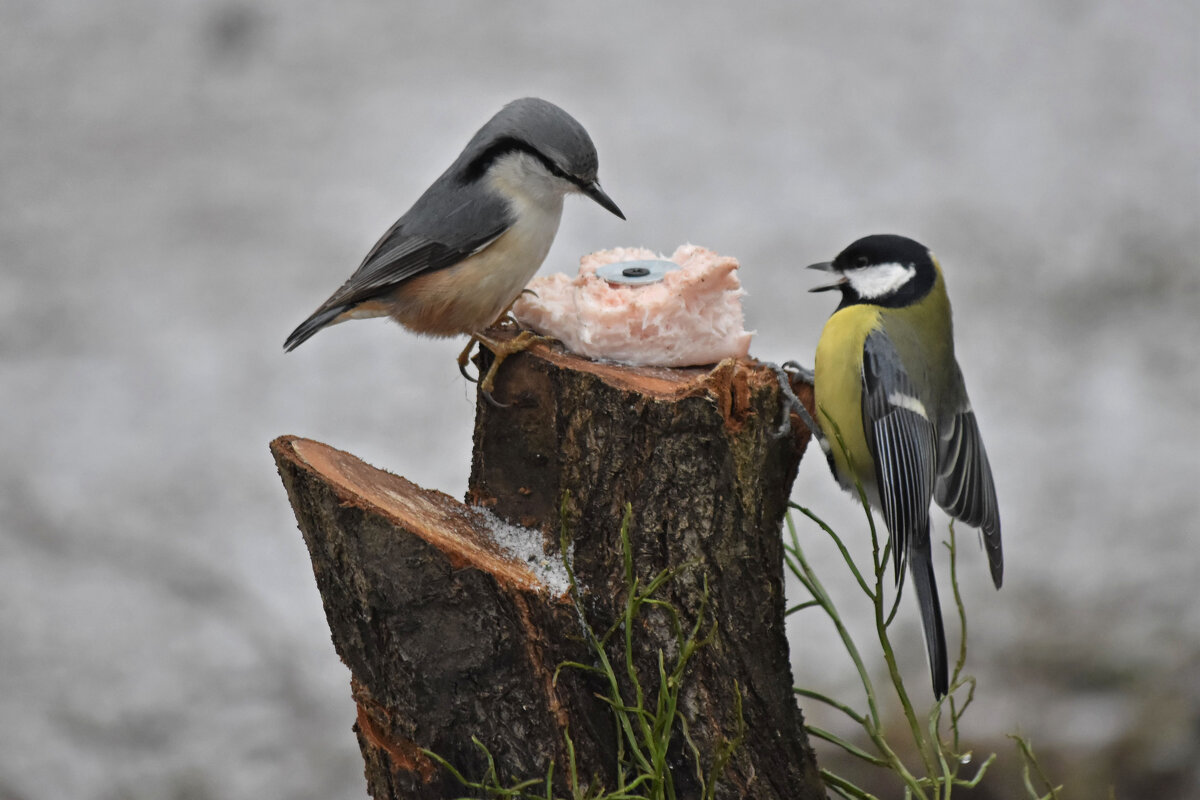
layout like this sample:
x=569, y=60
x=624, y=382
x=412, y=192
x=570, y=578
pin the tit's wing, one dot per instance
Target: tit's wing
x=444, y=227
x=964, y=486
x=903, y=441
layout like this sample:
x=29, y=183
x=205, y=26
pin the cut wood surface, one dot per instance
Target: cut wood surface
x=449, y=636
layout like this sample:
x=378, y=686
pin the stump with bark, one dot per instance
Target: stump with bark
x=449, y=637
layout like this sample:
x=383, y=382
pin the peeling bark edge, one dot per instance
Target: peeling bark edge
x=443, y=634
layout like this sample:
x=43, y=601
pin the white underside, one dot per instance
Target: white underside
x=536, y=198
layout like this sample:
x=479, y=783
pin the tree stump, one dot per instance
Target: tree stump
x=449, y=637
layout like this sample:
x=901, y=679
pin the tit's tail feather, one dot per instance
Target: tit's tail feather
x=921, y=567
x=991, y=538
x=319, y=319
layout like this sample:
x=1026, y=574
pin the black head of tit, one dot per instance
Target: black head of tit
x=885, y=270
x=887, y=383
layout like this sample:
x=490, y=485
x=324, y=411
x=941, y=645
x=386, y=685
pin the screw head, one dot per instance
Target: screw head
x=636, y=273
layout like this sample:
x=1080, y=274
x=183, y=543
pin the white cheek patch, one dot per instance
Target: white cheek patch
x=521, y=173
x=908, y=402
x=879, y=280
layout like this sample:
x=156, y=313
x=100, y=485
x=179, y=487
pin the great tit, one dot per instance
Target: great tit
x=887, y=384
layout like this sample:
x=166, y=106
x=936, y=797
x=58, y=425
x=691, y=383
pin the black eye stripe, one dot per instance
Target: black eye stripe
x=558, y=173
x=510, y=144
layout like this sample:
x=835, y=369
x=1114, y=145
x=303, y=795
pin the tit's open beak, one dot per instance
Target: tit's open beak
x=594, y=191
x=826, y=266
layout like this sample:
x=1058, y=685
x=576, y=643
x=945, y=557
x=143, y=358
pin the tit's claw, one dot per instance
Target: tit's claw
x=791, y=403
x=803, y=373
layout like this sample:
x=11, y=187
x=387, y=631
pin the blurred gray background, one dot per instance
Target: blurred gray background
x=181, y=182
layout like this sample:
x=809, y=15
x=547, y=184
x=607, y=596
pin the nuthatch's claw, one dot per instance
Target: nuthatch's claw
x=464, y=357
x=506, y=318
x=492, y=401
x=501, y=350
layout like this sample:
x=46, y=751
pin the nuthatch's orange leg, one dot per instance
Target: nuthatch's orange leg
x=506, y=317
x=501, y=351
x=504, y=320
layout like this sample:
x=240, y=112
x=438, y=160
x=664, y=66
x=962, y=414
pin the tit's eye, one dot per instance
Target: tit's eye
x=862, y=261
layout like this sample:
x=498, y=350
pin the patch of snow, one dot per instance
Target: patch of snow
x=527, y=545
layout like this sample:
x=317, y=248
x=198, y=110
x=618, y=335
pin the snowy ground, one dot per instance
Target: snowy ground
x=181, y=182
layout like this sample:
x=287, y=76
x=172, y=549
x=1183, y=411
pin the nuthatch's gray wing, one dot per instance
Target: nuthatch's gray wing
x=468, y=221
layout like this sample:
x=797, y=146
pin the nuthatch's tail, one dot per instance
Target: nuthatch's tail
x=320, y=318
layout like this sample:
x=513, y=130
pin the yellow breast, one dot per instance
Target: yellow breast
x=838, y=390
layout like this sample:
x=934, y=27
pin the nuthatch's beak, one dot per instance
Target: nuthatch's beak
x=594, y=191
x=826, y=266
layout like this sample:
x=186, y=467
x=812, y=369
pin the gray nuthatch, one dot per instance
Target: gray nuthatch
x=456, y=261
x=890, y=395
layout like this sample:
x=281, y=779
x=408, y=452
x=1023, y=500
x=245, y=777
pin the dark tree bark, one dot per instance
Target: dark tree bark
x=447, y=637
